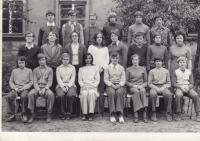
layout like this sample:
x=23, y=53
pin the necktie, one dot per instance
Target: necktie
x=51, y=28
x=72, y=26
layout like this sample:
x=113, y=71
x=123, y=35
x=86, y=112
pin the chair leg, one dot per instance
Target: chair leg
x=126, y=106
x=191, y=110
x=188, y=106
x=80, y=109
x=173, y=106
x=103, y=106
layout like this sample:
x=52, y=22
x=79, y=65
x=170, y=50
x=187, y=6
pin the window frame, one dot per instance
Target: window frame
x=59, y=3
x=24, y=24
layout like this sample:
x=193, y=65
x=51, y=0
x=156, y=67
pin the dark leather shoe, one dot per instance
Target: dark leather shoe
x=136, y=117
x=31, y=118
x=48, y=118
x=153, y=116
x=178, y=118
x=11, y=118
x=62, y=117
x=145, y=119
x=83, y=117
x=198, y=117
x=90, y=117
x=24, y=118
x=68, y=116
x=168, y=116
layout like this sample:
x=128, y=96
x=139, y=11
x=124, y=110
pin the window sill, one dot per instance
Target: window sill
x=13, y=37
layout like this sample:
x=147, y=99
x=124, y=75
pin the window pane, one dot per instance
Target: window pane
x=63, y=22
x=5, y=26
x=82, y=22
x=80, y=11
x=64, y=10
x=17, y=26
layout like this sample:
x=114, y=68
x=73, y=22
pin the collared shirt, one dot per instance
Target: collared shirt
x=114, y=67
x=165, y=35
x=29, y=46
x=92, y=25
x=50, y=24
x=117, y=43
x=74, y=23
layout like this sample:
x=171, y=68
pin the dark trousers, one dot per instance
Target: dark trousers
x=49, y=96
x=10, y=99
x=179, y=99
x=167, y=100
x=139, y=98
x=54, y=84
x=101, y=89
x=115, y=99
x=76, y=79
x=67, y=99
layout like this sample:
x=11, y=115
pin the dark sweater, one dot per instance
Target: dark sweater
x=30, y=54
x=43, y=33
x=106, y=31
x=81, y=52
x=142, y=52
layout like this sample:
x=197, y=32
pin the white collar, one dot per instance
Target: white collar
x=112, y=66
x=117, y=43
x=50, y=24
x=69, y=65
x=92, y=25
x=29, y=46
x=71, y=22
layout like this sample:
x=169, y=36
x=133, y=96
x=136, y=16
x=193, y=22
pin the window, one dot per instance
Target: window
x=13, y=23
x=66, y=6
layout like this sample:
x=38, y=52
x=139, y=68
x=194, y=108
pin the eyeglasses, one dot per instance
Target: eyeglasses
x=29, y=36
x=74, y=35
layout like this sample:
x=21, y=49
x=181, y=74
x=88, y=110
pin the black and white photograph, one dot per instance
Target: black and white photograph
x=100, y=66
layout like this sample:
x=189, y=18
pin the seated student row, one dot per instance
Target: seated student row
x=114, y=78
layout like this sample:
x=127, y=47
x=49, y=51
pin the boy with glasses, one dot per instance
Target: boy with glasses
x=29, y=50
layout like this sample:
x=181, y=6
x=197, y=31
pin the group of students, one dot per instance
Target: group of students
x=92, y=62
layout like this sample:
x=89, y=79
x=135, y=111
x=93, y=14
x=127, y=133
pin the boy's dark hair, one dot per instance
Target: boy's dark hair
x=65, y=55
x=85, y=57
x=179, y=33
x=158, y=58
x=50, y=12
x=139, y=34
x=116, y=32
x=156, y=34
x=53, y=32
x=20, y=58
x=158, y=15
x=135, y=55
x=41, y=55
x=138, y=13
x=114, y=54
x=103, y=39
x=29, y=32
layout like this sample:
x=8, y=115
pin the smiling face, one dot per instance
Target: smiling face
x=50, y=17
x=21, y=64
x=52, y=37
x=65, y=61
x=112, y=19
x=114, y=37
x=99, y=39
x=29, y=38
x=179, y=39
